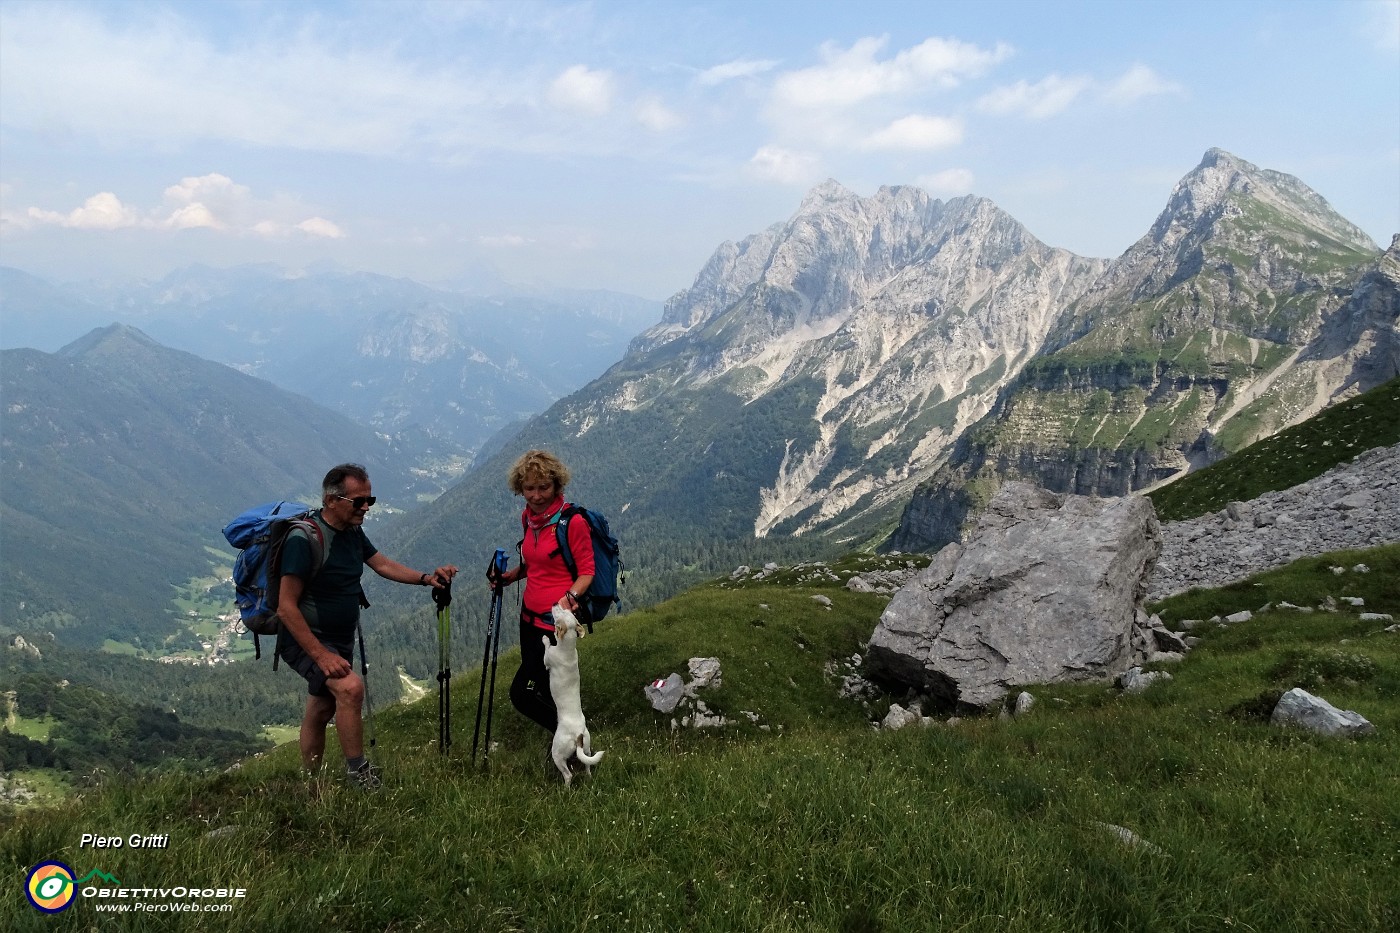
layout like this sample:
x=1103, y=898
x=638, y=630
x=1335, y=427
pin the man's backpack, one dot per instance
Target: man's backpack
x=259, y=534
x=608, y=572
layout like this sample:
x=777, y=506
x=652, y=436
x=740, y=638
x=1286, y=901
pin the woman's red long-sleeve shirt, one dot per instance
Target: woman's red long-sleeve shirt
x=546, y=575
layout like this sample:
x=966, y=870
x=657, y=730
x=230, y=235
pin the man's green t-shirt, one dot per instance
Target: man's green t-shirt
x=331, y=601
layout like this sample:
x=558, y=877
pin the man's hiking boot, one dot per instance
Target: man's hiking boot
x=366, y=778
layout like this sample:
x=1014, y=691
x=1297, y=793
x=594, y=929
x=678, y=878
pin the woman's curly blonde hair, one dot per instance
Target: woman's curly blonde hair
x=539, y=463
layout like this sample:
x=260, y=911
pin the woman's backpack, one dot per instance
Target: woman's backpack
x=608, y=571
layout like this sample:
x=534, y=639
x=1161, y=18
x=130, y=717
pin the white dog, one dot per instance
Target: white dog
x=571, y=737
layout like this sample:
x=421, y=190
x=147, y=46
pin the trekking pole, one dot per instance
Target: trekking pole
x=493, y=638
x=364, y=673
x=442, y=595
x=498, y=608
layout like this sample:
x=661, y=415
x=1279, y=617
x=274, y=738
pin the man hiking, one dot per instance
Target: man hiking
x=320, y=610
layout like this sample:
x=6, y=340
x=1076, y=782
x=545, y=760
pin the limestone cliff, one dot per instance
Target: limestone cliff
x=1249, y=306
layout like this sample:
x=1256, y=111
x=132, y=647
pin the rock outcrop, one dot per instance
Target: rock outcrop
x=1353, y=505
x=1301, y=709
x=1048, y=590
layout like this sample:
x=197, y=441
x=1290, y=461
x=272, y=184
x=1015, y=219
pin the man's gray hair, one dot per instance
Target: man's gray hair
x=334, y=483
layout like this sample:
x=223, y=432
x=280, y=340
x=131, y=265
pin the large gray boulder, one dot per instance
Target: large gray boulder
x=1049, y=589
x=1300, y=708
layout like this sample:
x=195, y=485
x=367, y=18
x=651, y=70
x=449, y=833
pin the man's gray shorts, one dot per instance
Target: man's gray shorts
x=301, y=662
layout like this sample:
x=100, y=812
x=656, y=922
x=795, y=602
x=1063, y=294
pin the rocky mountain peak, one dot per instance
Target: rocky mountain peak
x=1216, y=194
x=110, y=339
x=1229, y=232
x=834, y=252
x=826, y=194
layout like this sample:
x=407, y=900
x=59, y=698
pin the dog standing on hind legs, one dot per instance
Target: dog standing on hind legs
x=571, y=739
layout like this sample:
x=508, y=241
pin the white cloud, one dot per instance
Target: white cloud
x=1383, y=28
x=584, y=90
x=321, y=227
x=103, y=211
x=160, y=78
x=205, y=188
x=213, y=201
x=655, y=115
x=849, y=76
x=947, y=183
x=193, y=215
x=317, y=227
x=773, y=163
x=508, y=240
x=1038, y=101
x=741, y=68
x=917, y=132
x=1138, y=82
x=210, y=202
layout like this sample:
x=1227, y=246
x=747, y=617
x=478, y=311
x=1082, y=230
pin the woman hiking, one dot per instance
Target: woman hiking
x=540, y=478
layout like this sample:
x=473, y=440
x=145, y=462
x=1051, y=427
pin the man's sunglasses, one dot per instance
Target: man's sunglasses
x=359, y=502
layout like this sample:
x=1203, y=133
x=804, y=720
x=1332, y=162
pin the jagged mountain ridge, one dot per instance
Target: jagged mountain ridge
x=901, y=313
x=1249, y=306
x=817, y=372
x=739, y=421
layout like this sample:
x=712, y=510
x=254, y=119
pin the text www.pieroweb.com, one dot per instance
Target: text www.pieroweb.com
x=178, y=907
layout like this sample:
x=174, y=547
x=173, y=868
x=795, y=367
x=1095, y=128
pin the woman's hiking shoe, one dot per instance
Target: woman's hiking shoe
x=365, y=778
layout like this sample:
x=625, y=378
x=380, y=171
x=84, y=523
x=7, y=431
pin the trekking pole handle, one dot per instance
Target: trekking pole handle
x=497, y=569
x=442, y=595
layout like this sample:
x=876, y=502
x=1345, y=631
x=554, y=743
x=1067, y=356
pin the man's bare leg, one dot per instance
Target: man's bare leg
x=313, y=731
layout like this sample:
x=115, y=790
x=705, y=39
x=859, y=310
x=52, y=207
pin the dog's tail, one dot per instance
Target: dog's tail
x=589, y=760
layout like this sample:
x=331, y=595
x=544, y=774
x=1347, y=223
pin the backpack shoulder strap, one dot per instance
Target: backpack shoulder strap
x=325, y=534
x=561, y=535
x=319, y=535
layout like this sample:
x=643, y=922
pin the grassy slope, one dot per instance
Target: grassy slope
x=808, y=819
x=819, y=822
x=1292, y=456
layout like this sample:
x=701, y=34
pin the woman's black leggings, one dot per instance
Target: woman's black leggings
x=529, y=691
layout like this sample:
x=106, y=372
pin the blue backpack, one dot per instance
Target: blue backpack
x=602, y=593
x=259, y=535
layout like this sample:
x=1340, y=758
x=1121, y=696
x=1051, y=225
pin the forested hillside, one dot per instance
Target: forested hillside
x=121, y=461
x=83, y=731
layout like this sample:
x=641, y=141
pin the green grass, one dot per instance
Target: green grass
x=1292, y=456
x=809, y=819
x=36, y=728
x=280, y=734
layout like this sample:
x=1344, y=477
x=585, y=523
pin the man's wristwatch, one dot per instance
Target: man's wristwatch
x=424, y=580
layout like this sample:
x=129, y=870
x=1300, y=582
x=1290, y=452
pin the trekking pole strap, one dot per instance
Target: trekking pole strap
x=442, y=595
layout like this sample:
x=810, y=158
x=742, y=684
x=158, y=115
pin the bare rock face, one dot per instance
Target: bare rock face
x=1048, y=590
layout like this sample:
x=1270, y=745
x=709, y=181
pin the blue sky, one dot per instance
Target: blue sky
x=616, y=144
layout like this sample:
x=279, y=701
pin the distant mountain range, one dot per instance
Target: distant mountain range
x=864, y=374
x=821, y=371
x=441, y=370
